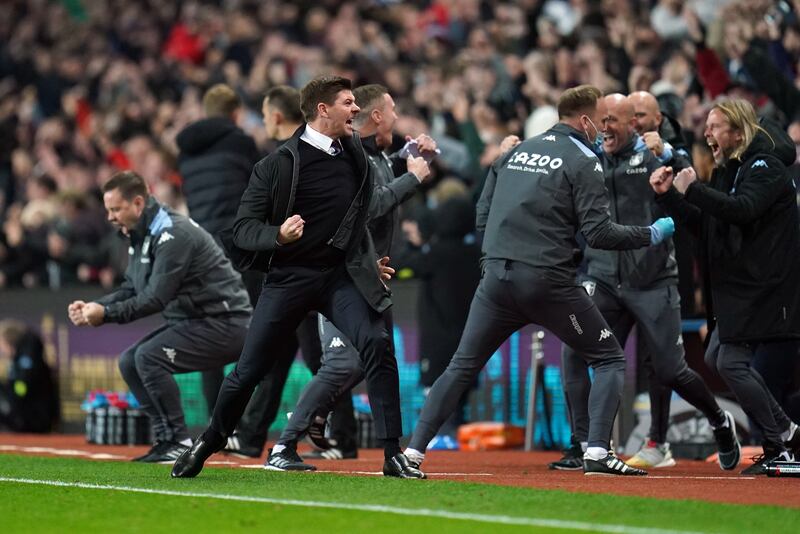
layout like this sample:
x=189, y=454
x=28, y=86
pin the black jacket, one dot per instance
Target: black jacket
x=215, y=160
x=747, y=222
x=268, y=202
x=177, y=268
x=627, y=179
x=538, y=197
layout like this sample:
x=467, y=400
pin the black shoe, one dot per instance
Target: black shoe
x=191, y=462
x=610, y=465
x=316, y=434
x=237, y=447
x=729, y=452
x=144, y=458
x=166, y=453
x=762, y=461
x=334, y=453
x=571, y=461
x=286, y=460
x=400, y=466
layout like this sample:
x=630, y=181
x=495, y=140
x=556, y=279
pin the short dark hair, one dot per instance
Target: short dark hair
x=578, y=100
x=368, y=97
x=285, y=99
x=220, y=101
x=321, y=89
x=129, y=184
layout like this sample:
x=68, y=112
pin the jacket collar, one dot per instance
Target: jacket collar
x=578, y=135
x=628, y=149
x=317, y=139
x=149, y=214
x=371, y=145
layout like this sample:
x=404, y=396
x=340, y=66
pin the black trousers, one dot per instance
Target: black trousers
x=330, y=388
x=263, y=407
x=732, y=362
x=182, y=347
x=511, y=295
x=288, y=295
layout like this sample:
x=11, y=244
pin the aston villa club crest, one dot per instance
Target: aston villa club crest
x=636, y=159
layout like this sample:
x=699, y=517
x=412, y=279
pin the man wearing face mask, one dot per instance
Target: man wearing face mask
x=639, y=287
x=534, y=202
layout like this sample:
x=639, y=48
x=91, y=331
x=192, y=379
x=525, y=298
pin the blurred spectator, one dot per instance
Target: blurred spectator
x=216, y=158
x=109, y=86
x=29, y=395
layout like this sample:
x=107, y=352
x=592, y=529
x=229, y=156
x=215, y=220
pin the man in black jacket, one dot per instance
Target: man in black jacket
x=639, y=287
x=341, y=366
x=215, y=161
x=176, y=268
x=303, y=218
x=747, y=222
x=282, y=117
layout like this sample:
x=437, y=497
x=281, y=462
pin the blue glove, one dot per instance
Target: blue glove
x=661, y=230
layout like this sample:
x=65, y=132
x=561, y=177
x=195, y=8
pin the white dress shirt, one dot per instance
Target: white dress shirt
x=321, y=141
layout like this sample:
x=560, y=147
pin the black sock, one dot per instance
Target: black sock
x=391, y=447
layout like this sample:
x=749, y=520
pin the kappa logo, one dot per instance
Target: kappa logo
x=636, y=159
x=549, y=138
x=336, y=343
x=575, y=324
x=170, y=352
x=680, y=341
x=605, y=333
x=166, y=236
x=759, y=163
x=598, y=167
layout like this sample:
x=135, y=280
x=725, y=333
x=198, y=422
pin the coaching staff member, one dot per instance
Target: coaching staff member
x=305, y=212
x=535, y=201
x=747, y=222
x=174, y=267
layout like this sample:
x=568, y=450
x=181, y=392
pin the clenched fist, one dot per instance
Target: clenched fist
x=291, y=230
x=654, y=143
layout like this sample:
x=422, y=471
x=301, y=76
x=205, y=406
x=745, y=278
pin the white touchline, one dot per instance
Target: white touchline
x=444, y=514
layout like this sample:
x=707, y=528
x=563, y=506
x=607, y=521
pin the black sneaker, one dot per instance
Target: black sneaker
x=286, y=460
x=571, y=461
x=729, y=452
x=316, y=434
x=237, y=447
x=162, y=452
x=144, y=457
x=167, y=453
x=401, y=467
x=610, y=466
x=761, y=462
x=334, y=453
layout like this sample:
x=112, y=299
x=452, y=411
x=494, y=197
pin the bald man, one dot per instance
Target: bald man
x=637, y=287
x=660, y=132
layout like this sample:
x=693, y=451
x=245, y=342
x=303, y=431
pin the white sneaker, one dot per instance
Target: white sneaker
x=653, y=455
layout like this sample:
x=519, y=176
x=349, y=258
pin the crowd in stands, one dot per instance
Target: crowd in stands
x=88, y=88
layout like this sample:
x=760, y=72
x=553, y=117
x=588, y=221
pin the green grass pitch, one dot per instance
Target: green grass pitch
x=75, y=495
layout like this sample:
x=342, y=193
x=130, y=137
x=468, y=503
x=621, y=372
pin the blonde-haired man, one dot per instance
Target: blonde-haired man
x=747, y=222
